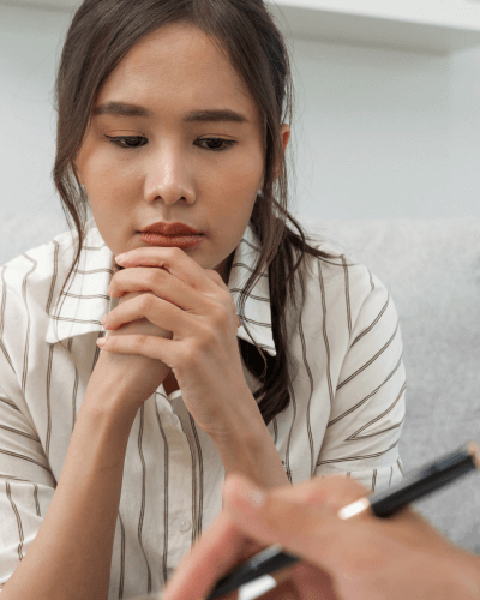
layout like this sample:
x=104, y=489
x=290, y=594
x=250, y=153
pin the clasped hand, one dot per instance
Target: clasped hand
x=174, y=311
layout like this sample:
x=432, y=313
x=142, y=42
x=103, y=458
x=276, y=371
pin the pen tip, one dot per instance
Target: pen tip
x=474, y=450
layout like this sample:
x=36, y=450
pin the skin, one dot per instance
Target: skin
x=176, y=320
x=358, y=559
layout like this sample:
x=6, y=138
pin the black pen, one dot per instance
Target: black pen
x=382, y=504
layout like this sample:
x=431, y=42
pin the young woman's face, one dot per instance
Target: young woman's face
x=152, y=153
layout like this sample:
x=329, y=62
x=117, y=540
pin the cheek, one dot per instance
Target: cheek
x=107, y=188
x=231, y=222
x=102, y=172
x=236, y=193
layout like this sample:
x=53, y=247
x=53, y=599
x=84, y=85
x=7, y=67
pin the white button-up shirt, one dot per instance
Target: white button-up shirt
x=345, y=414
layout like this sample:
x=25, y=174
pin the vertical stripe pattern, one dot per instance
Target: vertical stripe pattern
x=165, y=501
x=142, y=506
x=346, y=410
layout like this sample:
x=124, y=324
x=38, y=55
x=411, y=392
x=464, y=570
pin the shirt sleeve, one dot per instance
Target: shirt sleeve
x=366, y=418
x=26, y=486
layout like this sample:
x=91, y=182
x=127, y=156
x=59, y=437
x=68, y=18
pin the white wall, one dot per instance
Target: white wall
x=379, y=133
x=386, y=134
x=30, y=46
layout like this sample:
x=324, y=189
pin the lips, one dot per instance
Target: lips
x=177, y=235
x=174, y=229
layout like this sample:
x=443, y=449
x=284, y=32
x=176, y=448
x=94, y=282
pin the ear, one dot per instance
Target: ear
x=285, y=133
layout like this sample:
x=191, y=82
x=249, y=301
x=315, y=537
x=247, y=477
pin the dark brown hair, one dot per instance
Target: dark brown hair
x=100, y=35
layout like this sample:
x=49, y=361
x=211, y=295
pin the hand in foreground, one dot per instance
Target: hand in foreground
x=363, y=558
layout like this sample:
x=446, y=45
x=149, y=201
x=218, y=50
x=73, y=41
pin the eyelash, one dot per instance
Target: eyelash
x=117, y=142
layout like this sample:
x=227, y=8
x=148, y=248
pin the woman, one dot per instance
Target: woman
x=232, y=345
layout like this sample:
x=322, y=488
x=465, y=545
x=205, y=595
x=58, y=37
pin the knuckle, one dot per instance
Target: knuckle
x=147, y=302
x=139, y=342
x=191, y=352
x=208, y=337
x=217, y=314
x=223, y=317
x=151, y=277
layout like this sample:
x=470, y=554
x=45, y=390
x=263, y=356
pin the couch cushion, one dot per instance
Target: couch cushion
x=432, y=269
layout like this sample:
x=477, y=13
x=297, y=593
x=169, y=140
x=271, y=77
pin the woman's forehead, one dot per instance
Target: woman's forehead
x=178, y=65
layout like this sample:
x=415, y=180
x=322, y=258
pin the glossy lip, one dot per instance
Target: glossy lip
x=171, y=229
x=169, y=235
x=170, y=241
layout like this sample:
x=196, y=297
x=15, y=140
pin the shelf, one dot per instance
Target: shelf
x=433, y=26
x=55, y=5
x=427, y=26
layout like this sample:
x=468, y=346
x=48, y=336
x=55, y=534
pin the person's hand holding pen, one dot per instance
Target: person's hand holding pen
x=362, y=558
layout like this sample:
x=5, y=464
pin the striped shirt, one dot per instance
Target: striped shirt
x=345, y=414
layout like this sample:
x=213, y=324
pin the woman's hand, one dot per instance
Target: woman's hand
x=361, y=558
x=176, y=294
x=125, y=381
x=171, y=292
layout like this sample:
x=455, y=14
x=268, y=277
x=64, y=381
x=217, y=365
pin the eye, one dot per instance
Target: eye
x=218, y=142
x=129, y=141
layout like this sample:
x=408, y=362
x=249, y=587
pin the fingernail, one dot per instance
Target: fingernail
x=120, y=257
x=101, y=342
x=104, y=321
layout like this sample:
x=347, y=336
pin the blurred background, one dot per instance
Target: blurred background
x=387, y=121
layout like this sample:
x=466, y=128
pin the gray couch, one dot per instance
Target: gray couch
x=432, y=269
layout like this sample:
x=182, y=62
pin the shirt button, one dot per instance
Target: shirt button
x=185, y=526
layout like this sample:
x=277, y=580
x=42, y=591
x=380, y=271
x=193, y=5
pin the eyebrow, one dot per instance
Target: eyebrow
x=124, y=109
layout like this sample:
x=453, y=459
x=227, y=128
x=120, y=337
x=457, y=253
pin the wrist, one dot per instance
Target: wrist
x=122, y=382
x=247, y=448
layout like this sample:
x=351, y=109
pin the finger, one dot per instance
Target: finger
x=217, y=279
x=219, y=550
x=292, y=517
x=331, y=492
x=155, y=347
x=302, y=582
x=158, y=281
x=147, y=306
x=173, y=260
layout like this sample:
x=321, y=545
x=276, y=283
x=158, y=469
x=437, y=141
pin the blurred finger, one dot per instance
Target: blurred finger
x=302, y=582
x=221, y=548
x=298, y=518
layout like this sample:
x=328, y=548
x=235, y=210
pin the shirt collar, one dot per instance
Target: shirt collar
x=85, y=300
x=256, y=315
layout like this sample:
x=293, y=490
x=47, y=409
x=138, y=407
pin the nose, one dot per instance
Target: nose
x=168, y=180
